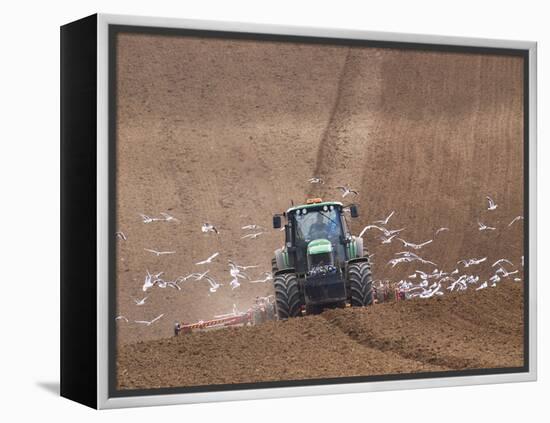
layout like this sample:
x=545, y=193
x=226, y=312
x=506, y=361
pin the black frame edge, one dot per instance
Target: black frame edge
x=78, y=133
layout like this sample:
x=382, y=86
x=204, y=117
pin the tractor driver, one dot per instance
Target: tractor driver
x=319, y=229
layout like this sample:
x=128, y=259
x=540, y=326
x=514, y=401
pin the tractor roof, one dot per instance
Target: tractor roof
x=315, y=205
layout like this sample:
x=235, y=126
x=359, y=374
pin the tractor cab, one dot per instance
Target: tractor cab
x=315, y=233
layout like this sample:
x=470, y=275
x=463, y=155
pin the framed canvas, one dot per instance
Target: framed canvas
x=254, y=211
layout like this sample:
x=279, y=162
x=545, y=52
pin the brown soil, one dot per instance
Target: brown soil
x=469, y=330
x=229, y=131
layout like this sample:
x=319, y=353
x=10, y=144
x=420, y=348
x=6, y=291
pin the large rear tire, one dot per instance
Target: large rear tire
x=287, y=296
x=360, y=284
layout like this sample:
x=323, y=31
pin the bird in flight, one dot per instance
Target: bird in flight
x=505, y=273
x=472, y=261
x=387, y=239
x=120, y=235
x=121, y=318
x=148, y=219
x=140, y=302
x=159, y=253
x=252, y=236
x=502, y=261
x=484, y=227
x=248, y=267
x=168, y=218
x=407, y=244
x=234, y=283
x=441, y=230
x=408, y=257
x=384, y=230
x=267, y=277
x=316, y=180
x=386, y=220
x=147, y=322
x=515, y=220
x=492, y=204
x=213, y=284
x=150, y=280
x=208, y=227
x=347, y=191
x=235, y=271
x=482, y=286
x=209, y=259
x=250, y=227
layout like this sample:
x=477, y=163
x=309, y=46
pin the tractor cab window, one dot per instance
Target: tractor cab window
x=318, y=224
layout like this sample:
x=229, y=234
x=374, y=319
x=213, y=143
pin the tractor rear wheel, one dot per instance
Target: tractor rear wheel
x=360, y=284
x=287, y=295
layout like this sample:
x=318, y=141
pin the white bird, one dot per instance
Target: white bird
x=208, y=227
x=199, y=276
x=316, y=180
x=522, y=261
x=120, y=235
x=366, y=228
x=213, y=284
x=386, y=220
x=147, y=322
x=247, y=267
x=234, y=283
x=517, y=279
x=422, y=275
x=209, y=259
x=441, y=230
x=387, y=239
x=384, y=230
x=168, y=218
x=515, y=220
x=347, y=191
x=407, y=257
x=161, y=283
x=121, y=318
x=140, y=302
x=235, y=272
x=148, y=219
x=492, y=204
x=159, y=253
x=407, y=244
x=502, y=260
x=495, y=278
x=505, y=273
x=252, y=236
x=482, y=286
x=484, y=227
x=150, y=280
x=267, y=277
x=472, y=261
x=250, y=227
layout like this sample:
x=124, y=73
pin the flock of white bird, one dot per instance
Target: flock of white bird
x=429, y=284
x=436, y=282
x=237, y=272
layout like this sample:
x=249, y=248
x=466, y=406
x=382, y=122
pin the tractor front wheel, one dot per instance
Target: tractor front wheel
x=360, y=284
x=287, y=295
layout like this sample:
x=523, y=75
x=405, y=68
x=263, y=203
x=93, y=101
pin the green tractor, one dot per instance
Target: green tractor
x=321, y=264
